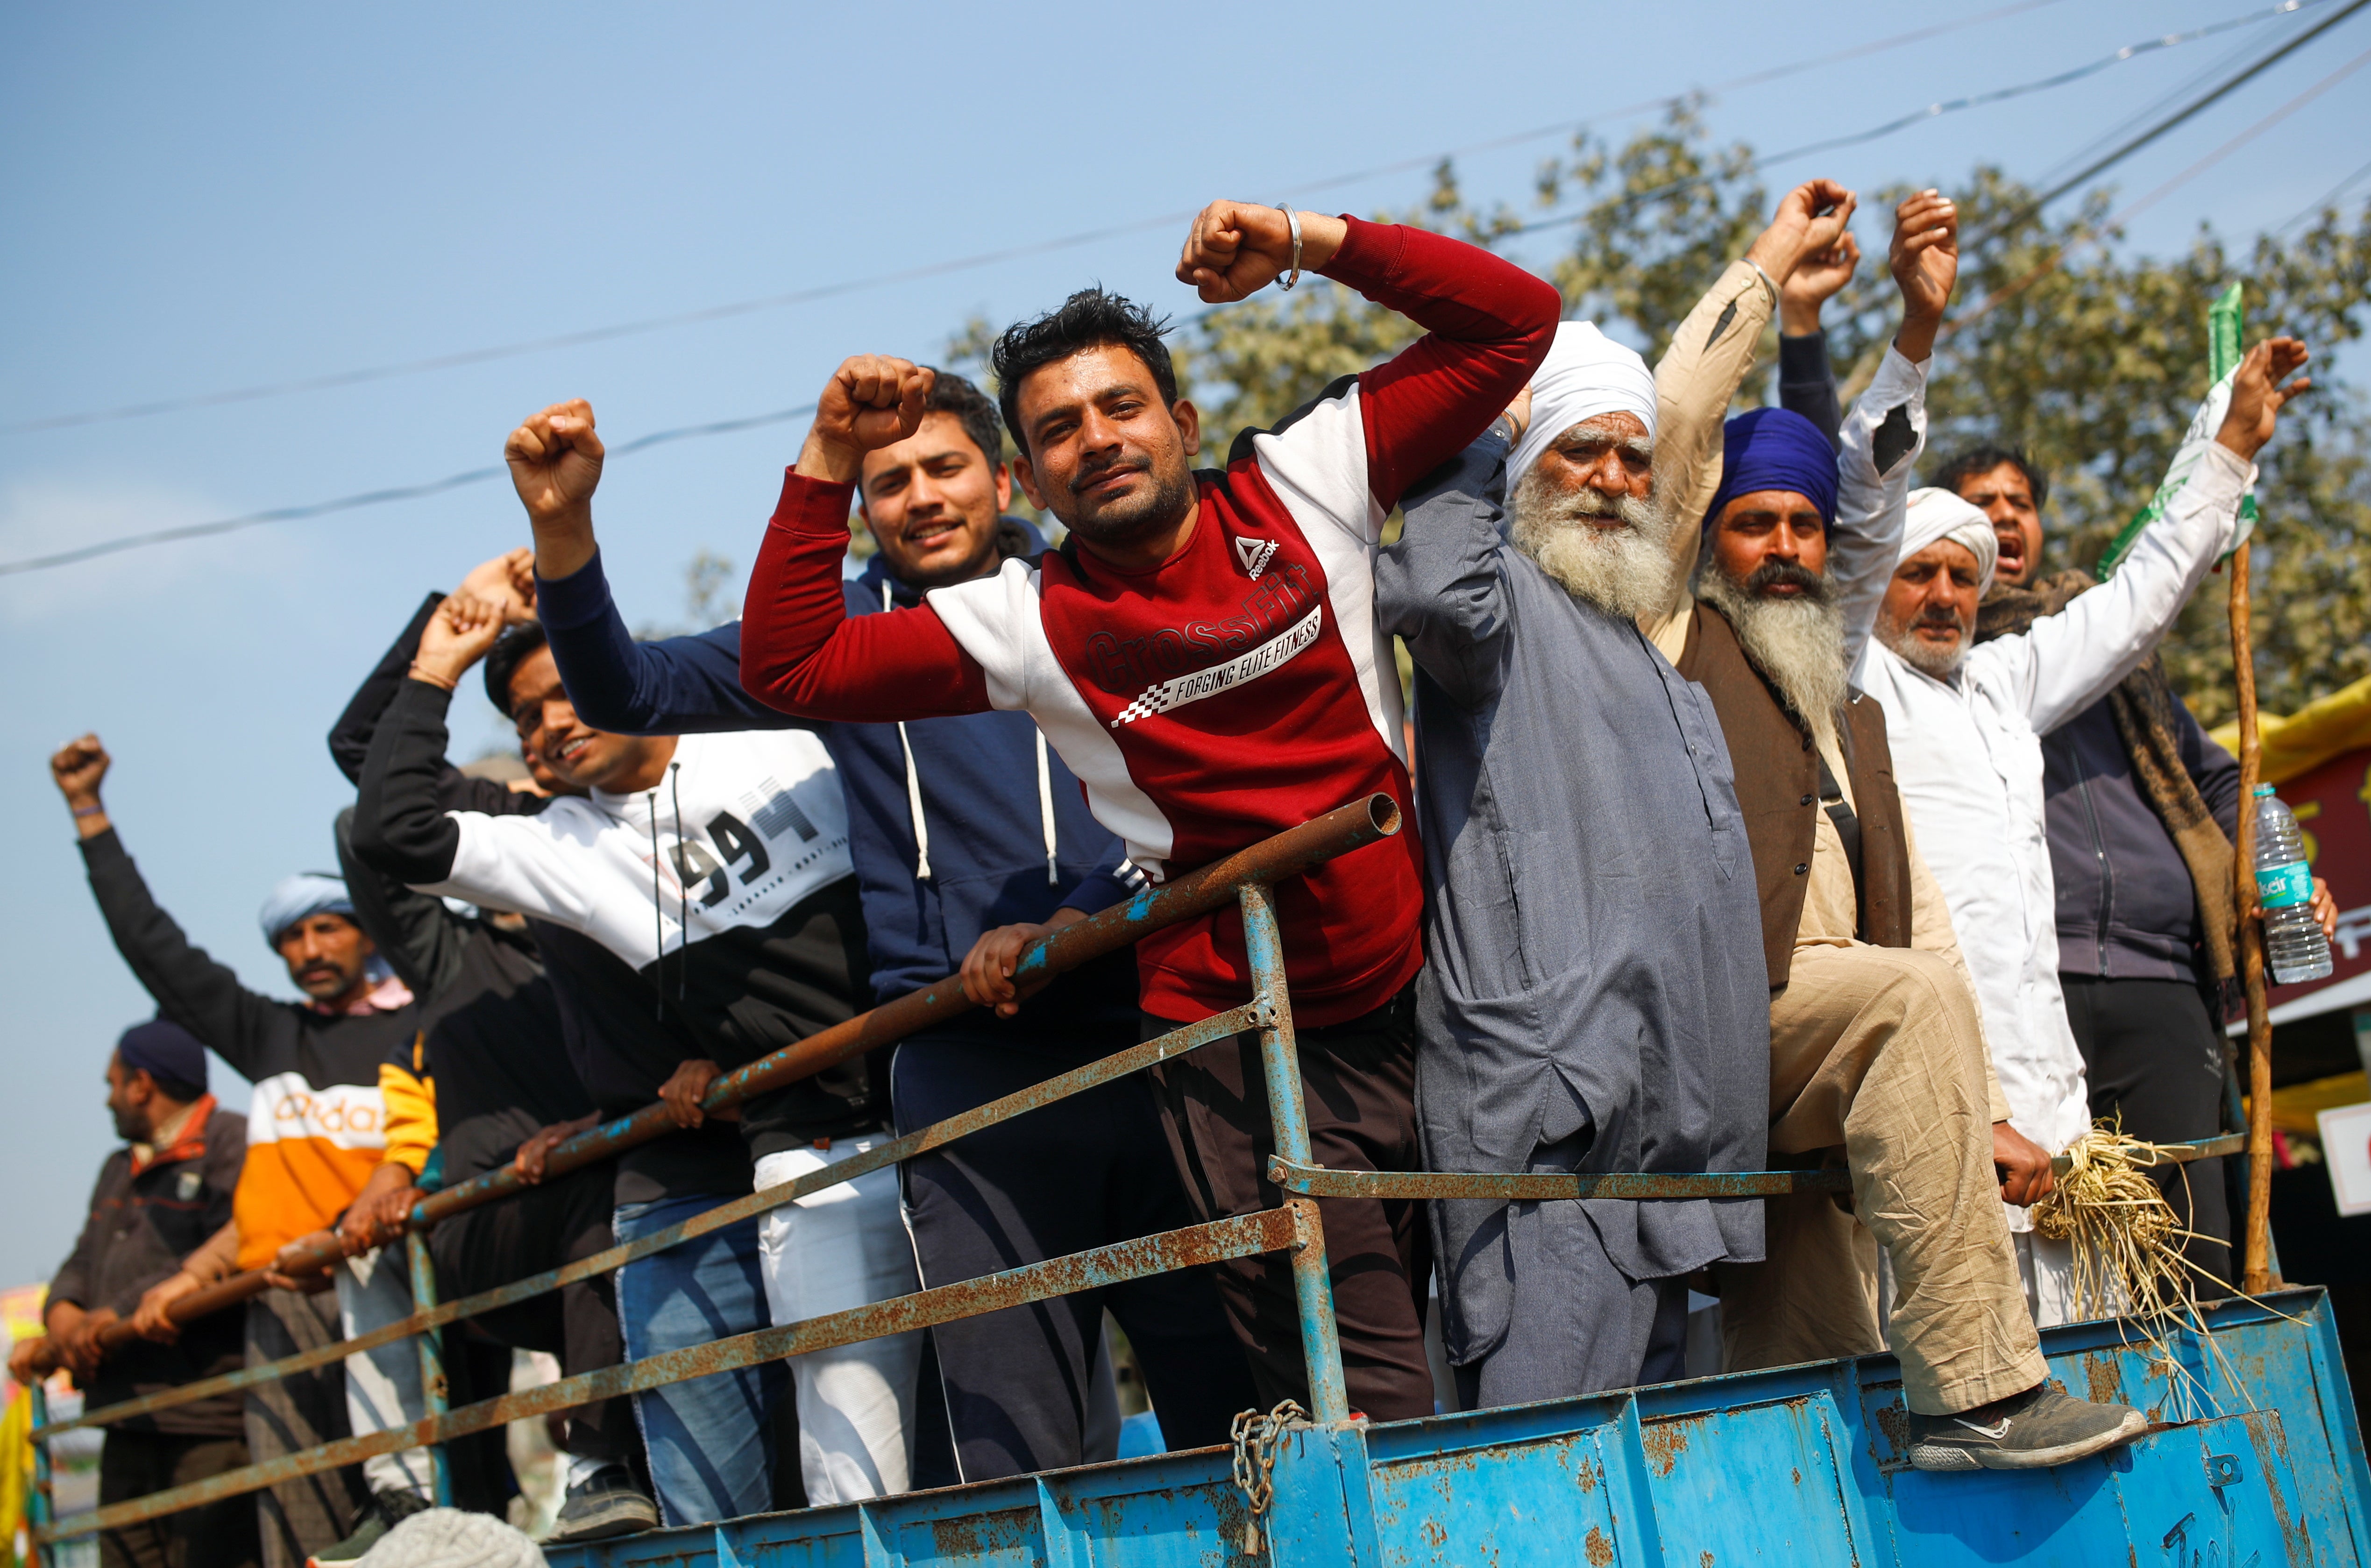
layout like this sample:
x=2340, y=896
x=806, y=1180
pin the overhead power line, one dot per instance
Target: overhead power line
x=479, y=475
x=2327, y=200
x=335, y=379
x=380, y=496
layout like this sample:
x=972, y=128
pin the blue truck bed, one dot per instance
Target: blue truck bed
x=1797, y=1465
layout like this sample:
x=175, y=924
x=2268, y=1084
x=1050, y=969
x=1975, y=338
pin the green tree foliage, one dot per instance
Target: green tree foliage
x=2091, y=360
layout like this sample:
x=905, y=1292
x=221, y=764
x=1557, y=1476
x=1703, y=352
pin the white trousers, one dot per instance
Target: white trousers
x=844, y=1247
x=383, y=1385
x=2046, y=1270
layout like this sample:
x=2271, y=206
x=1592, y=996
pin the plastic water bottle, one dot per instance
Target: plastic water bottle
x=2294, y=944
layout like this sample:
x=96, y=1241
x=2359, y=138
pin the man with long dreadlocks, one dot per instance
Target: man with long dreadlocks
x=716, y=866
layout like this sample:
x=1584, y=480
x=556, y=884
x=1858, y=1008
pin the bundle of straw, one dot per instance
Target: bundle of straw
x=2125, y=1237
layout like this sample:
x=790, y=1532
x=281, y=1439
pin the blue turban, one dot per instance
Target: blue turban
x=296, y=898
x=171, y=1054
x=1775, y=449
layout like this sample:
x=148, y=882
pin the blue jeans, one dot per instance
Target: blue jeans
x=711, y=1440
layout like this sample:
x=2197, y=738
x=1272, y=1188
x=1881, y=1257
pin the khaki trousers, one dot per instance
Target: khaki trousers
x=1879, y=1050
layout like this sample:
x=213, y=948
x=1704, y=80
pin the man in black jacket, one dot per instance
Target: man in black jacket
x=314, y=1068
x=157, y=1198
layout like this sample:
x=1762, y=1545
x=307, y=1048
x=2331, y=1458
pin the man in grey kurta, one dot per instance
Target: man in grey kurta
x=1594, y=998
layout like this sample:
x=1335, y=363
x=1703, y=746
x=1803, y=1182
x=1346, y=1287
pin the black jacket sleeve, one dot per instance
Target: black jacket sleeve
x=350, y=737
x=1806, y=384
x=414, y=931
x=2213, y=770
x=400, y=828
x=193, y=990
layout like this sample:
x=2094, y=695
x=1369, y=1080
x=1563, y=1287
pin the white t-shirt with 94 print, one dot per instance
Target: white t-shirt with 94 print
x=747, y=825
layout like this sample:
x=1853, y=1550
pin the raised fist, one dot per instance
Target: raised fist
x=462, y=632
x=506, y=581
x=76, y=768
x=555, y=462
x=1236, y=248
x=1810, y=219
x=2258, y=397
x=1815, y=280
x=1924, y=256
x=870, y=401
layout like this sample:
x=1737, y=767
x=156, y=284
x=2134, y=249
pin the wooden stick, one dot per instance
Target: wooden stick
x=2258, y=1277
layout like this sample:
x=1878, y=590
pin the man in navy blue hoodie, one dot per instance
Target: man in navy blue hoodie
x=958, y=826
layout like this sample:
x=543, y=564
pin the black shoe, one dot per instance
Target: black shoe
x=2030, y=1431
x=607, y=1503
x=382, y=1514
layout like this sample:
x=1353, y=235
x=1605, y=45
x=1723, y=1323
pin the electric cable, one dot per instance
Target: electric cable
x=476, y=476
x=332, y=380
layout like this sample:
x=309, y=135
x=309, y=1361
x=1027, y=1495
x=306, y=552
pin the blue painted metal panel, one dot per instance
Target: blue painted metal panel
x=1796, y=1464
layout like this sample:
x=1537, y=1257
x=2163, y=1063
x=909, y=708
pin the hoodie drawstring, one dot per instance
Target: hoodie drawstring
x=1045, y=810
x=658, y=912
x=682, y=888
x=913, y=786
x=914, y=798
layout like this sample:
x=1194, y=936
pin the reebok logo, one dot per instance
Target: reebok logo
x=1253, y=554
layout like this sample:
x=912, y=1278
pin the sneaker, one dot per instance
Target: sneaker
x=604, y=1503
x=2030, y=1431
x=382, y=1514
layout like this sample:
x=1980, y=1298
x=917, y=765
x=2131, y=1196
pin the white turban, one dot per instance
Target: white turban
x=1936, y=515
x=1586, y=374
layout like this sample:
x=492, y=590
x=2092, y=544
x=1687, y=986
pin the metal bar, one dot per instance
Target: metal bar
x=1268, y=1231
x=1313, y=1287
x=1318, y=1181
x=1135, y=1058
x=41, y=1504
x=434, y=1392
x=1276, y=859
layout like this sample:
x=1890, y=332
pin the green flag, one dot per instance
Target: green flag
x=2222, y=363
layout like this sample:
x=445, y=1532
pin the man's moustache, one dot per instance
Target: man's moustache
x=1130, y=465
x=1793, y=574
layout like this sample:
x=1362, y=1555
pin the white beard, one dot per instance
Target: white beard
x=1625, y=570
x=1798, y=643
x=1919, y=654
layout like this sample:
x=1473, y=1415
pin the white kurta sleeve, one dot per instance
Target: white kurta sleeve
x=1882, y=438
x=2065, y=662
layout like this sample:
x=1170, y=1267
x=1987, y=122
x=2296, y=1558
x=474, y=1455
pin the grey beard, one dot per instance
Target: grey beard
x=1798, y=642
x=1625, y=571
x=1919, y=654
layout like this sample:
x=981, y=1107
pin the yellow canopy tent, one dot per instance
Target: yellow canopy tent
x=2338, y=723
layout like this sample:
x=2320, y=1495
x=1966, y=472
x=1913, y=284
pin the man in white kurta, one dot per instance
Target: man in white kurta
x=1965, y=725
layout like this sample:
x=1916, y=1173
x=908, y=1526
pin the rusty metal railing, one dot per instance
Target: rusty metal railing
x=1245, y=879
x=1294, y=1228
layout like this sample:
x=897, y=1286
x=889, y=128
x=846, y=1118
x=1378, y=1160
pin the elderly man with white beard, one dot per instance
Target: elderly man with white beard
x=1586, y=1004
x=1967, y=724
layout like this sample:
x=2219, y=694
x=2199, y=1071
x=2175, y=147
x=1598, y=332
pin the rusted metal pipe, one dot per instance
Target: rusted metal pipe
x=1273, y=859
x=1269, y=1231
x=1135, y=1058
x=1492, y=1187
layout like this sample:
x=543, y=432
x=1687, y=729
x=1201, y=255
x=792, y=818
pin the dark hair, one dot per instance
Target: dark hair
x=510, y=651
x=1983, y=460
x=1088, y=320
x=951, y=394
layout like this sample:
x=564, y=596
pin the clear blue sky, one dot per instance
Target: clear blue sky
x=203, y=198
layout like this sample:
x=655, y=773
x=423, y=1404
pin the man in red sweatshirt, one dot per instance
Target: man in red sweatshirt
x=1203, y=652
